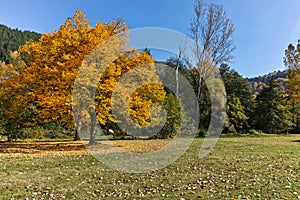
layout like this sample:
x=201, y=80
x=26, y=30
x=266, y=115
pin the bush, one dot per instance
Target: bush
x=175, y=117
x=39, y=132
x=59, y=136
x=201, y=132
x=36, y=132
x=55, y=128
x=254, y=132
x=2, y=130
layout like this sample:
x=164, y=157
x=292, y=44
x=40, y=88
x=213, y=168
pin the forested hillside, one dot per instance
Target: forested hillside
x=12, y=39
x=257, y=83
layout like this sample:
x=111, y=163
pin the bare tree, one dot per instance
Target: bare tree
x=178, y=62
x=181, y=50
x=212, y=31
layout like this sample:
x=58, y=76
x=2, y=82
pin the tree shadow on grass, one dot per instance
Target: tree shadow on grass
x=296, y=141
x=37, y=147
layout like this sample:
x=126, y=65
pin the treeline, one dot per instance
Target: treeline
x=38, y=94
x=275, y=106
x=276, y=75
x=12, y=39
x=267, y=111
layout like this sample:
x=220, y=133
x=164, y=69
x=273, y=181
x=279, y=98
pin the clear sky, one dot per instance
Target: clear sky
x=264, y=28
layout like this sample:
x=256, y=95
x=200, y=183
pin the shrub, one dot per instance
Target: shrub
x=36, y=132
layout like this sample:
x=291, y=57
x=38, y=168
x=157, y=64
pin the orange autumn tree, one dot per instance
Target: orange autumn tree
x=135, y=96
x=96, y=84
x=51, y=65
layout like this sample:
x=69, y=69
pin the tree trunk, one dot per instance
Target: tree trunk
x=177, y=82
x=9, y=138
x=77, y=131
x=93, y=128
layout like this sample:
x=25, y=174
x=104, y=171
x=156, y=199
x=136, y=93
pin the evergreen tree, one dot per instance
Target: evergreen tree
x=272, y=113
x=174, y=116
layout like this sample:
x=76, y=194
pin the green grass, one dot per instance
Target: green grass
x=237, y=168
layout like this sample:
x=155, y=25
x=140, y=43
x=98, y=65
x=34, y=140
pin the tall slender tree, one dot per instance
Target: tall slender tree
x=292, y=62
x=212, y=31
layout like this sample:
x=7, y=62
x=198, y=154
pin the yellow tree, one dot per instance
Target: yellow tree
x=292, y=61
x=98, y=79
x=52, y=64
x=136, y=90
x=50, y=67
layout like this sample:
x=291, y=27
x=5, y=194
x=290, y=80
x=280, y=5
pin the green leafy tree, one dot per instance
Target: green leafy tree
x=181, y=65
x=174, y=115
x=238, y=91
x=239, y=86
x=236, y=116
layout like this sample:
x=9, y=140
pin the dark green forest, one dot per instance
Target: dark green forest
x=12, y=39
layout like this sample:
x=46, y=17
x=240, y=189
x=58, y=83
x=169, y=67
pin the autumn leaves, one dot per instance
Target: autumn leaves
x=39, y=90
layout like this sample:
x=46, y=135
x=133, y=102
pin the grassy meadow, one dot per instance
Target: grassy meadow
x=237, y=168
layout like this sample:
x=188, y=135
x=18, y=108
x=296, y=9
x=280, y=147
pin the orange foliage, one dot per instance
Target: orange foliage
x=48, y=68
x=52, y=64
x=142, y=99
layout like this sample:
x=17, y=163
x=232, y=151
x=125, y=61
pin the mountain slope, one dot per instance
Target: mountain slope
x=257, y=83
x=12, y=39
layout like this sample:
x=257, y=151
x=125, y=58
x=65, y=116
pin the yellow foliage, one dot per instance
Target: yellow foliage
x=48, y=68
x=142, y=98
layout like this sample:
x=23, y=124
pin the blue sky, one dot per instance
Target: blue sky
x=264, y=28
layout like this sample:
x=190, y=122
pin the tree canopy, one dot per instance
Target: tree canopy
x=272, y=113
x=46, y=70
